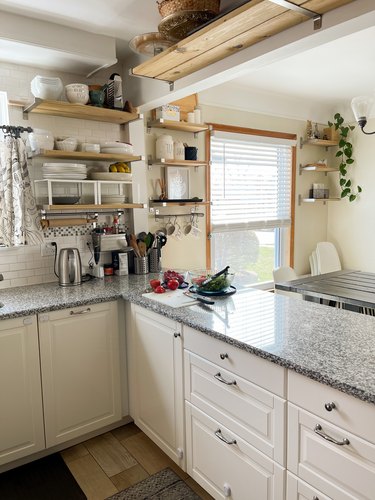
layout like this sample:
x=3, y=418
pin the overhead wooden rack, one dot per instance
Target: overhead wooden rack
x=245, y=26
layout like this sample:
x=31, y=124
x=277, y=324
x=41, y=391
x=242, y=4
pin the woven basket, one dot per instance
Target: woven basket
x=168, y=7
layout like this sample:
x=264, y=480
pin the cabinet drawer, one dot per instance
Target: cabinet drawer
x=256, y=415
x=253, y=368
x=349, y=413
x=342, y=472
x=296, y=489
x=237, y=470
x=76, y=312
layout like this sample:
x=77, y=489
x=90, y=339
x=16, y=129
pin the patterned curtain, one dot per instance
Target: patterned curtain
x=19, y=218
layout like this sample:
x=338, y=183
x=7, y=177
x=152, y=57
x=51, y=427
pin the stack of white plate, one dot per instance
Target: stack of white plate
x=74, y=171
x=113, y=199
x=117, y=148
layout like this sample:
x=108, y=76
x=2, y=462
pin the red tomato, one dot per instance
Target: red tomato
x=173, y=284
x=159, y=289
x=155, y=283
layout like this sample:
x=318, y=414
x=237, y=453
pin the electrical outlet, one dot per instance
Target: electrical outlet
x=47, y=249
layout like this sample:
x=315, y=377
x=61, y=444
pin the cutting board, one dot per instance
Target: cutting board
x=174, y=298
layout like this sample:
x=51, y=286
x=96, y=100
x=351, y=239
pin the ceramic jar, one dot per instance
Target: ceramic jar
x=179, y=150
x=164, y=147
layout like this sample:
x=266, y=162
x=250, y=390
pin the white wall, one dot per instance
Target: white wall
x=350, y=225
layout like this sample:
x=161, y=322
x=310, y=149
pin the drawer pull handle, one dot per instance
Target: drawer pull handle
x=223, y=381
x=330, y=406
x=176, y=335
x=318, y=430
x=224, y=355
x=315, y=497
x=222, y=438
x=84, y=311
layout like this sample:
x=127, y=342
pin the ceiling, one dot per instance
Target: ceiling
x=335, y=71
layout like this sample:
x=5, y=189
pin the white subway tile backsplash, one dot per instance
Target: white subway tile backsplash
x=17, y=267
x=18, y=282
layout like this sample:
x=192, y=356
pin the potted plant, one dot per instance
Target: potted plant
x=345, y=154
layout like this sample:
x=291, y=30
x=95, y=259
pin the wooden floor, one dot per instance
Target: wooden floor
x=118, y=459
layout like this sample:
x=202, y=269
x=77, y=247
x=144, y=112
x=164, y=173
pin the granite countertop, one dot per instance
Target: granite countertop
x=330, y=345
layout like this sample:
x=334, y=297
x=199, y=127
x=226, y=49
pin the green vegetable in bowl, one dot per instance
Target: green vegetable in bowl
x=217, y=284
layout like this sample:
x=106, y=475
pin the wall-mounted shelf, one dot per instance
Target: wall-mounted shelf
x=177, y=163
x=315, y=200
x=226, y=35
x=317, y=142
x=80, y=111
x=316, y=167
x=94, y=207
x=177, y=203
x=83, y=155
x=174, y=125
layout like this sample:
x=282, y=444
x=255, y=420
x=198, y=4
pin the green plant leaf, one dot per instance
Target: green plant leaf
x=352, y=127
x=342, y=143
x=337, y=116
x=348, y=152
x=352, y=197
x=343, y=170
x=345, y=192
x=359, y=189
x=330, y=124
x=339, y=153
x=349, y=161
x=348, y=183
x=342, y=181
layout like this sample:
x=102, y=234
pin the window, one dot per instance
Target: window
x=251, y=215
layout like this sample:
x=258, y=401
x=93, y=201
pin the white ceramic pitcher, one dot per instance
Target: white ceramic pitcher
x=164, y=147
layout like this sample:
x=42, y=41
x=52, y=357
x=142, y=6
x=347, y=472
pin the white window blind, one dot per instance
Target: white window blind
x=250, y=182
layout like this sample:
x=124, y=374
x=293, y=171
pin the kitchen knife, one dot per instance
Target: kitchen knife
x=199, y=299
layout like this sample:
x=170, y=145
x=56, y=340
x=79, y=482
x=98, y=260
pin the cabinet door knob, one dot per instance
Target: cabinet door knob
x=176, y=334
x=330, y=406
x=224, y=355
x=227, y=490
x=318, y=430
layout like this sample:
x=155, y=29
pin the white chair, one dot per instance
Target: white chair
x=285, y=273
x=313, y=263
x=328, y=259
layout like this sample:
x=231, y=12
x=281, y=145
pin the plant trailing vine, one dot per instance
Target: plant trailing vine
x=345, y=154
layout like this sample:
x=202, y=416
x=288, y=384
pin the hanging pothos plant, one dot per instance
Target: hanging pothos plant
x=345, y=154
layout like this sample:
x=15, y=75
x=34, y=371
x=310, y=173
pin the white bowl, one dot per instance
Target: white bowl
x=90, y=148
x=41, y=139
x=77, y=93
x=46, y=87
x=69, y=144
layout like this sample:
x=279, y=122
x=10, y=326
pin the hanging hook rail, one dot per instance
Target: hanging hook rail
x=15, y=131
x=169, y=216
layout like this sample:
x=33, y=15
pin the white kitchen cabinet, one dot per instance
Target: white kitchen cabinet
x=80, y=368
x=21, y=414
x=330, y=440
x=155, y=360
x=235, y=420
x=296, y=489
x=226, y=465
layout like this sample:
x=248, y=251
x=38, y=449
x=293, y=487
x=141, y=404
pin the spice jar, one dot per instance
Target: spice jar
x=108, y=269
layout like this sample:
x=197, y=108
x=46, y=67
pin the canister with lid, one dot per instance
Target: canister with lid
x=179, y=150
x=164, y=147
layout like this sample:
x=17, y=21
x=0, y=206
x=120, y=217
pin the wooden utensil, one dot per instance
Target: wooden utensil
x=134, y=245
x=142, y=248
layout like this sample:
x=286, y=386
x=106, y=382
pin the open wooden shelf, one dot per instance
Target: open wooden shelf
x=245, y=26
x=177, y=203
x=178, y=163
x=109, y=206
x=318, y=142
x=316, y=167
x=81, y=111
x=315, y=200
x=181, y=126
x=83, y=155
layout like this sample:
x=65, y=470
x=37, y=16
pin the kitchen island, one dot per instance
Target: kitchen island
x=332, y=346
x=271, y=386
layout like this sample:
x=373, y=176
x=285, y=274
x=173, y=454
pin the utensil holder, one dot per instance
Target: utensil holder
x=140, y=265
x=154, y=260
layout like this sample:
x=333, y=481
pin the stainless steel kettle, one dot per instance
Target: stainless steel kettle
x=70, y=267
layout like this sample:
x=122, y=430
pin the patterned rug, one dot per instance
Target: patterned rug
x=164, y=485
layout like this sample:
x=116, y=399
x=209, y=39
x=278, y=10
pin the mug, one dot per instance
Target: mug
x=191, y=153
x=97, y=98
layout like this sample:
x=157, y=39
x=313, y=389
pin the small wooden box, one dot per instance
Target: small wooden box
x=331, y=134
